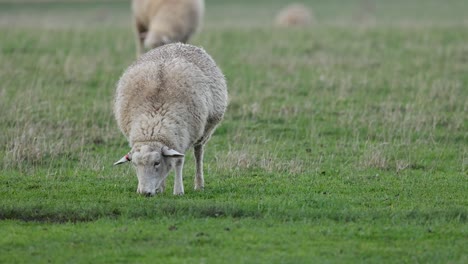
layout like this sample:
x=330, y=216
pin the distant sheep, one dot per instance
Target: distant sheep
x=294, y=15
x=160, y=22
x=170, y=99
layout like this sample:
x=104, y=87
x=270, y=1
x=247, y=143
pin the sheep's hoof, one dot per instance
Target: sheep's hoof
x=199, y=188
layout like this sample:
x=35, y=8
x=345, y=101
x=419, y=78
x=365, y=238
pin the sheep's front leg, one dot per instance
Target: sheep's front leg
x=199, y=181
x=178, y=181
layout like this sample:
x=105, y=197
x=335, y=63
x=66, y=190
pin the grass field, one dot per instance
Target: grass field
x=343, y=142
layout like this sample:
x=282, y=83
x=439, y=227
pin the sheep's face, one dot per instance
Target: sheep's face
x=152, y=169
x=152, y=166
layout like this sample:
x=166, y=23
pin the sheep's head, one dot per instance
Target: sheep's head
x=152, y=166
x=153, y=40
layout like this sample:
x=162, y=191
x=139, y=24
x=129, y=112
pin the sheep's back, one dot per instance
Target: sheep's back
x=175, y=78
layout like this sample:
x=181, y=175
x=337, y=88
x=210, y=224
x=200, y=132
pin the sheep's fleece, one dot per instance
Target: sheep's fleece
x=169, y=100
x=294, y=15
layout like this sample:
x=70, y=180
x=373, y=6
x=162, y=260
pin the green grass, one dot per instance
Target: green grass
x=343, y=142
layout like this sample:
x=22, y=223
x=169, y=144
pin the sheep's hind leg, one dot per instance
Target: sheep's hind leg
x=198, y=151
x=199, y=181
x=178, y=181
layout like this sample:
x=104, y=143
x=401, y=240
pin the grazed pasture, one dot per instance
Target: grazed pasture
x=343, y=142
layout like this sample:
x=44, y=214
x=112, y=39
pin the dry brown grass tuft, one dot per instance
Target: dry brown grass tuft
x=375, y=157
x=268, y=162
x=384, y=156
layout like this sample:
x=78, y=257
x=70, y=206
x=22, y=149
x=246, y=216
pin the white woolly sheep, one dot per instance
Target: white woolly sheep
x=170, y=99
x=294, y=15
x=160, y=22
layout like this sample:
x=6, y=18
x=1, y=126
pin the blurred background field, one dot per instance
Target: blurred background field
x=345, y=141
x=242, y=13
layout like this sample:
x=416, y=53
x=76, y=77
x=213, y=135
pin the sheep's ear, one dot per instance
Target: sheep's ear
x=167, y=152
x=124, y=159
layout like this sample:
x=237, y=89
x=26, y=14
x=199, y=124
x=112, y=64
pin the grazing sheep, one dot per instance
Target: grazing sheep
x=294, y=15
x=170, y=99
x=160, y=22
